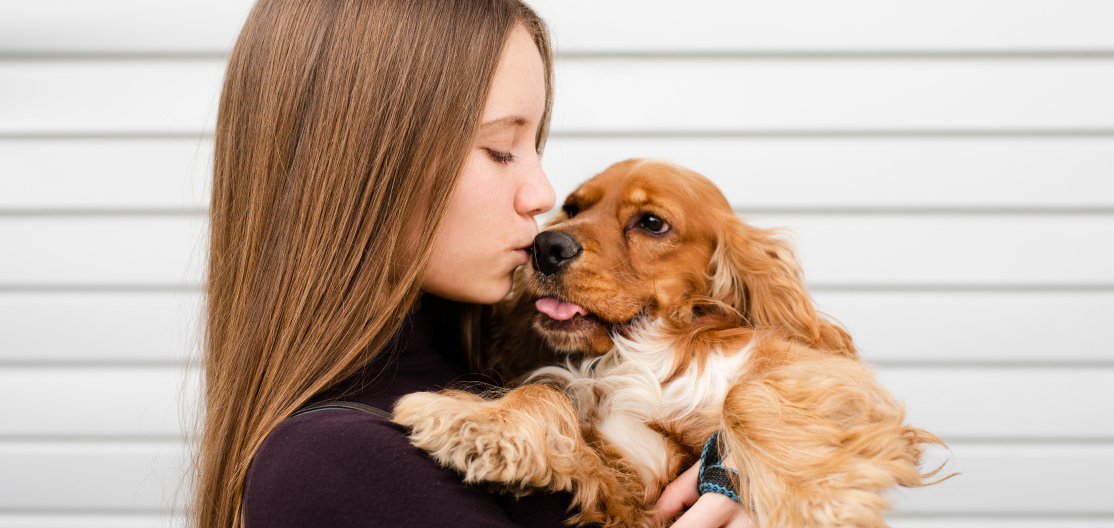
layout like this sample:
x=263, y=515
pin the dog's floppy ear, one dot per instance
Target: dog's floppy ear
x=756, y=272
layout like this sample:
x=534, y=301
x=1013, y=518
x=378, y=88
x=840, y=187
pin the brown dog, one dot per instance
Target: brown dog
x=679, y=320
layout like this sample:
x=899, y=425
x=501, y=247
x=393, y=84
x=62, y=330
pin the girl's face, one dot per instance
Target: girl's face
x=490, y=221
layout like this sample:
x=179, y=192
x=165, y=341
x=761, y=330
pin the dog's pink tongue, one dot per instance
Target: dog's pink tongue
x=559, y=310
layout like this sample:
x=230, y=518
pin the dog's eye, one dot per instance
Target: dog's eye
x=570, y=210
x=653, y=224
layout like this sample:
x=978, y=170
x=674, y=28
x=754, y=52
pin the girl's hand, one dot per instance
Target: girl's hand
x=710, y=510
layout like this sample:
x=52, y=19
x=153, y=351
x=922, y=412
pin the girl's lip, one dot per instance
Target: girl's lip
x=526, y=250
x=523, y=253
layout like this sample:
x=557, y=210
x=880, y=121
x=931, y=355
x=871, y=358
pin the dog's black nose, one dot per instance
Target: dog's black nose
x=552, y=250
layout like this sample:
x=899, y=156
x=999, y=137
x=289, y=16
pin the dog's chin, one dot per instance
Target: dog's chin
x=581, y=334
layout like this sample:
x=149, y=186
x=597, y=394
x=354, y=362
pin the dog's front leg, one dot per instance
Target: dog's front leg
x=529, y=439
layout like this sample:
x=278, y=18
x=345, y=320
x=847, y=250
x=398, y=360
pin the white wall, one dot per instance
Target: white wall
x=947, y=168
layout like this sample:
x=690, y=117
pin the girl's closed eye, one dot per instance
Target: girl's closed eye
x=500, y=157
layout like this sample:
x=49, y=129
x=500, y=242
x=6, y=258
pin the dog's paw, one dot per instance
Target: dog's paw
x=488, y=442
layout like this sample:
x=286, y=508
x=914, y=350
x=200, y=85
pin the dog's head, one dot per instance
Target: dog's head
x=648, y=238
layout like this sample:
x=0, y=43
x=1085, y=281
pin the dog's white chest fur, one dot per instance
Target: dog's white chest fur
x=625, y=390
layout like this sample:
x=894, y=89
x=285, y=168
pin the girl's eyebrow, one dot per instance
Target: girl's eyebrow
x=509, y=121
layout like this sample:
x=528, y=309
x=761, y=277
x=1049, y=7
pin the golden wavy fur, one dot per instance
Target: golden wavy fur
x=686, y=321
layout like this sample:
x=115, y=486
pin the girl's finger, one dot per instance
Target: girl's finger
x=711, y=510
x=740, y=520
x=678, y=495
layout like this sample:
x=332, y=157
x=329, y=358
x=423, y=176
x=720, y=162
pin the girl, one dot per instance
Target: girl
x=376, y=178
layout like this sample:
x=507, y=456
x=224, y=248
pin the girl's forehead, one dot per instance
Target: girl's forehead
x=518, y=88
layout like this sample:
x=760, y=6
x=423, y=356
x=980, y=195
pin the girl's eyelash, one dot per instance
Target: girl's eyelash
x=500, y=157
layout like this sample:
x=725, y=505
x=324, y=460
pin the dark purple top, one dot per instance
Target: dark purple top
x=338, y=468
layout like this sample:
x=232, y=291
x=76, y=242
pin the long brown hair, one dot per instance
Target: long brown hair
x=339, y=122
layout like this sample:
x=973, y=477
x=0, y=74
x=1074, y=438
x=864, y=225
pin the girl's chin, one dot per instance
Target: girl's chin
x=501, y=288
x=487, y=292
x=473, y=288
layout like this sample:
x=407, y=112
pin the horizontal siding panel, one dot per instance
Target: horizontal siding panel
x=603, y=96
x=1018, y=479
x=89, y=520
x=845, y=250
x=890, y=173
x=120, y=26
x=634, y=26
x=97, y=402
x=110, y=96
x=959, y=403
x=889, y=327
x=585, y=26
x=732, y=95
x=995, y=479
x=762, y=173
x=995, y=327
x=105, y=476
x=1060, y=250
x=105, y=174
x=95, y=327
x=94, y=250
x=1001, y=403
